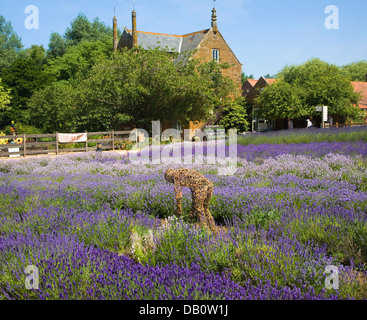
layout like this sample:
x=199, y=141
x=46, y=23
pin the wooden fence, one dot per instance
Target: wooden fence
x=30, y=144
x=348, y=124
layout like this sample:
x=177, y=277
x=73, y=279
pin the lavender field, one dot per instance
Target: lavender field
x=100, y=227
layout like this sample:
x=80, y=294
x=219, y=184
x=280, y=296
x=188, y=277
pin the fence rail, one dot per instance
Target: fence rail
x=32, y=144
x=348, y=124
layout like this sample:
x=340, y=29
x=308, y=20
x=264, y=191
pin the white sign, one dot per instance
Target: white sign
x=14, y=150
x=71, y=137
x=324, y=113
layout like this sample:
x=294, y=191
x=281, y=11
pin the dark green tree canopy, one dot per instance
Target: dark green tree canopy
x=24, y=77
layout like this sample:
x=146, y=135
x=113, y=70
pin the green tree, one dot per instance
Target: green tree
x=53, y=108
x=139, y=86
x=78, y=60
x=82, y=29
x=234, y=116
x=10, y=44
x=57, y=46
x=4, y=98
x=25, y=76
x=303, y=87
x=356, y=70
x=244, y=77
x=280, y=101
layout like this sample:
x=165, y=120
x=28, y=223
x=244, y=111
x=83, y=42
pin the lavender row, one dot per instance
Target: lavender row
x=73, y=200
x=69, y=269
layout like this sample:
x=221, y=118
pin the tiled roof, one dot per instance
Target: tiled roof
x=361, y=87
x=270, y=81
x=252, y=81
x=177, y=43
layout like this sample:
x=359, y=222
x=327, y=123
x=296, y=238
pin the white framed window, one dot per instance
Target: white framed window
x=215, y=54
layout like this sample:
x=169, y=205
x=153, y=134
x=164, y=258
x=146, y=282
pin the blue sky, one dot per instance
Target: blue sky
x=265, y=35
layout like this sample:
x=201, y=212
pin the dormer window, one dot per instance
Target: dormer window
x=216, y=54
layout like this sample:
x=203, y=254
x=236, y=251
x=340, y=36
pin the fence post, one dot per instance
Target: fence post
x=113, y=140
x=24, y=146
x=57, y=143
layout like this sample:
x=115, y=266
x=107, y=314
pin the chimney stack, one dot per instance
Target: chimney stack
x=135, y=34
x=115, y=39
x=214, y=21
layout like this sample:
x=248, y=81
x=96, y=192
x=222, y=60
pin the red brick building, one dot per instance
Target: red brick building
x=209, y=44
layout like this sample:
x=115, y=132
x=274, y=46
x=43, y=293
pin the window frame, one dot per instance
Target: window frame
x=215, y=54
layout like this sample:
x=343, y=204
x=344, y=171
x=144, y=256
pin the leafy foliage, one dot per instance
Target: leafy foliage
x=145, y=85
x=301, y=88
x=244, y=77
x=234, y=116
x=356, y=70
x=57, y=46
x=281, y=100
x=10, y=44
x=82, y=29
x=25, y=76
x=53, y=109
x=78, y=60
x=4, y=98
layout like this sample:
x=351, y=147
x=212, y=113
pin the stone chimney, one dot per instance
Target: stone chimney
x=214, y=21
x=115, y=39
x=135, y=33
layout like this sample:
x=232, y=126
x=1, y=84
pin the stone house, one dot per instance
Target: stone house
x=209, y=44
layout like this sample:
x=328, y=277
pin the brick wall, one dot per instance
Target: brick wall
x=255, y=92
x=216, y=41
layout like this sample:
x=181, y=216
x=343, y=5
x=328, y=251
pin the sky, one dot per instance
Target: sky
x=265, y=35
